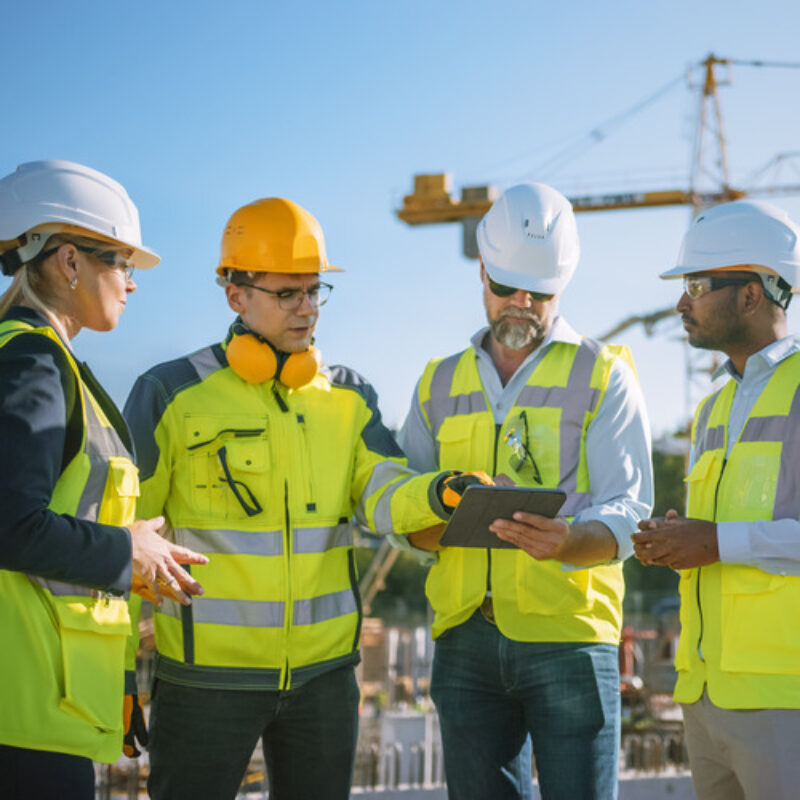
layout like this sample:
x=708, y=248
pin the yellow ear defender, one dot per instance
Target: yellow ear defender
x=255, y=360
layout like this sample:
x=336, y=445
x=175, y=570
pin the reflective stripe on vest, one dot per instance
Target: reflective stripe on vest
x=534, y=601
x=265, y=543
x=734, y=614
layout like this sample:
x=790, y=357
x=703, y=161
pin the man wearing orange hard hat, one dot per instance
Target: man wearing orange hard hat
x=259, y=456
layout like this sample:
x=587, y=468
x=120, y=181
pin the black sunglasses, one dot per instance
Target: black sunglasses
x=501, y=290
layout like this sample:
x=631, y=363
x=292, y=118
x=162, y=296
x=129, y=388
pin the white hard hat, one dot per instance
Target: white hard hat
x=528, y=239
x=745, y=235
x=45, y=197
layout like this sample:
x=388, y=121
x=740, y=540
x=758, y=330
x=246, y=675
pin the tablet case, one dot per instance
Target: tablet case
x=482, y=505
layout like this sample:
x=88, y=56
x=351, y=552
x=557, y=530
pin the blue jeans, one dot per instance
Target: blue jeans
x=201, y=740
x=495, y=695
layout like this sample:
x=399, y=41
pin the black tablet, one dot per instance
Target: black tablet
x=482, y=505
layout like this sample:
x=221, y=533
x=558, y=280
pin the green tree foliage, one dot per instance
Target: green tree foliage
x=670, y=492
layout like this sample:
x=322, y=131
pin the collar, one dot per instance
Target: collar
x=765, y=360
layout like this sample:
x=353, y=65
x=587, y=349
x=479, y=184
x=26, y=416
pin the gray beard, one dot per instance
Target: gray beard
x=517, y=334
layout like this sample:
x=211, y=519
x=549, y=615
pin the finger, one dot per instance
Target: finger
x=648, y=524
x=181, y=579
x=534, y=520
x=183, y=555
x=143, y=589
x=170, y=587
x=503, y=480
x=672, y=514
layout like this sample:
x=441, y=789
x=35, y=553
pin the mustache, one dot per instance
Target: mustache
x=525, y=313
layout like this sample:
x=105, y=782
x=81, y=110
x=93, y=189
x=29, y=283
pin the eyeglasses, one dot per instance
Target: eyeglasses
x=291, y=299
x=506, y=291
x=517, y=439
x=111, y=258
x=697, y=287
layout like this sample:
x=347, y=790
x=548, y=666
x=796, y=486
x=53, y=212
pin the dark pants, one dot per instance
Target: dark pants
x=40, y=775
x=493, y=693
x=201, y=740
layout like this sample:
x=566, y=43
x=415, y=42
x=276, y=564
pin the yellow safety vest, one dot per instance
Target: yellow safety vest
x=534, y=601
x=62, y=673
x=740, y=629
x=265, y=481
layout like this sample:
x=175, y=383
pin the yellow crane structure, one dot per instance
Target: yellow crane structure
x=432, y=201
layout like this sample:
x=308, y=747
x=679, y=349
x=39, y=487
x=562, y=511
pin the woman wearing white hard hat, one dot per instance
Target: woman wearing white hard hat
x=70, y=545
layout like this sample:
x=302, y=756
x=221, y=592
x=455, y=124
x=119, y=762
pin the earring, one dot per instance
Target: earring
x=73, y=283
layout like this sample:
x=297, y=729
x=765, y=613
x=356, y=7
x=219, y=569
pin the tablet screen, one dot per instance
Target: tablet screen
x=482, y=505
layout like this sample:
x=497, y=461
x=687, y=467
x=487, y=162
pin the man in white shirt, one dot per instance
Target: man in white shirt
x=738, y=550
x=526, y=637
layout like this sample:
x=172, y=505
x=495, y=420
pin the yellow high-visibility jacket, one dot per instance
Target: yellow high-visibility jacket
x=534, y=601
x=740, y=629
x=265, y=481
x=62, y=672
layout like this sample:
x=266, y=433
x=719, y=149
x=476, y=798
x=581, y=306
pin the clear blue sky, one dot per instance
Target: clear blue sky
x=198, y=108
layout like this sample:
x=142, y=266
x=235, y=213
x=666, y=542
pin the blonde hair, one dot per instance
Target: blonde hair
x=30, y=283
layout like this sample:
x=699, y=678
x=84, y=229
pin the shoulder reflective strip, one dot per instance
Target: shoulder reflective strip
x=61, y=589
x=442, y=403
x=580, y=399
x=249, y=543
x=319, y=540
x=784, y=429
x=101, y=441
x=216, y=611
x=383, y=473
x=325, y=607
x=575, y=400
x=205, y=362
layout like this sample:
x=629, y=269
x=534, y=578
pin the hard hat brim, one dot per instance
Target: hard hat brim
x=530, y=283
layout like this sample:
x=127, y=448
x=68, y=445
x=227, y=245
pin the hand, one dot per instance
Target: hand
x=427, y=538
x=134, y=726
x=156, y=564
x=451, y=489
x=676, y=542
x=540, y=537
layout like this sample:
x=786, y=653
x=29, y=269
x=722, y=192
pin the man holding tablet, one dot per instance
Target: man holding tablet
x=526, y=637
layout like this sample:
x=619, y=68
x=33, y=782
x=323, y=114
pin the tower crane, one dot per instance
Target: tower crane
x=432, y=200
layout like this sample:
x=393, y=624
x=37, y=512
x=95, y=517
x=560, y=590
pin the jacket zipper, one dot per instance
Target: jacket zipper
x=289, y=609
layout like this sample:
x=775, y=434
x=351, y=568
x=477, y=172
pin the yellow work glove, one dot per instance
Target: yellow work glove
x=133, y=725
x=451, y=488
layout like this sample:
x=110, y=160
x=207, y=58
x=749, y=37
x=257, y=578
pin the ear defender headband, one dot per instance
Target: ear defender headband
x=255, y=360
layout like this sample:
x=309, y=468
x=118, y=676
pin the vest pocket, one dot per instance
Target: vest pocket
x=228, y=463
x=543, y=587
x=118, y=506
x=464, y=443
x=755, y=636
x=93, y=636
